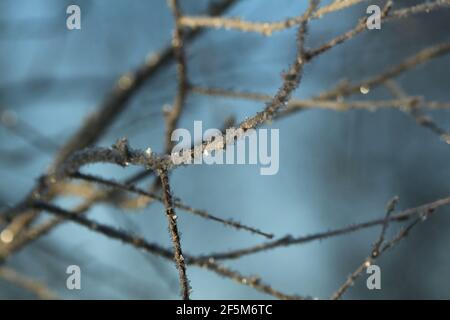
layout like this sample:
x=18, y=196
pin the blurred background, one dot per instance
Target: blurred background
x=336, y=168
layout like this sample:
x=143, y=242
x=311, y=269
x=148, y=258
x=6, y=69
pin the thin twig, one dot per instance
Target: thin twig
x=359, y=28
x=419, y=58
x=370, y=259
x=291, y=78
x=335, y=105
x=389, y=210
x=290, y=240
x=174, y=114
x=173, y=228
x=414, y=110
x=176, y=202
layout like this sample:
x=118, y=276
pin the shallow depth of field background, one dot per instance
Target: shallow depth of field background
x=336, y=168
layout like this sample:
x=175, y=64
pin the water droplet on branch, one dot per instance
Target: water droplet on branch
x=364, y=89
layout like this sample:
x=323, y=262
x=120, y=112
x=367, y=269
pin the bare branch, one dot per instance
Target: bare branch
x=268, y=28
x=152, y=248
